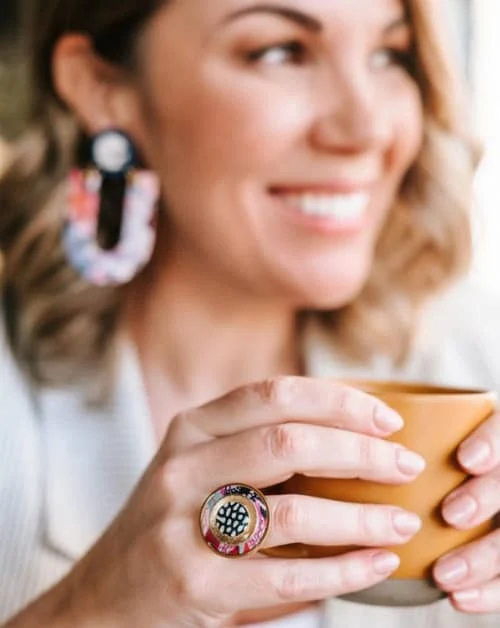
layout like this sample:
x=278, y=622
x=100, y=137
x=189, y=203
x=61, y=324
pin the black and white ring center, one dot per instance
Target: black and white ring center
x=233, y=519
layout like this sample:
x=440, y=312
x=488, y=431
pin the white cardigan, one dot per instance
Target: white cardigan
x=66, y=469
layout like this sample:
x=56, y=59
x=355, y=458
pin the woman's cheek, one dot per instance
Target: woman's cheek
x=257, y=123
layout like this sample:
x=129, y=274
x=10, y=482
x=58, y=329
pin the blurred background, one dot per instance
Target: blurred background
x=11, y=68
x=473, y=28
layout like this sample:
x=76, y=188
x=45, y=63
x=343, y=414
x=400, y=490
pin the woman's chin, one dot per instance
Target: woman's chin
x=333, y=294
x=325, y=282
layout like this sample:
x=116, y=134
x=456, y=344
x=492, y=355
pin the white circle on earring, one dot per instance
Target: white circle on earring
x=112, y=152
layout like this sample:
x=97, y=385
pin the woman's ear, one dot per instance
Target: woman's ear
x=97, y=92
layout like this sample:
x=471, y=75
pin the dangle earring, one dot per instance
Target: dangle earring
x=109, y=234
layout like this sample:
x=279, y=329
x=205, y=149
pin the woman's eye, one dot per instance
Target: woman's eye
x=291, y=52
x=391, y=57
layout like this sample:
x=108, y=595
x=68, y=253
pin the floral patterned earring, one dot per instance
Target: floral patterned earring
x=111, y=191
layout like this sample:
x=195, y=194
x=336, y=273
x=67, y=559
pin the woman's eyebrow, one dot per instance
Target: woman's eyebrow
x=302, y=19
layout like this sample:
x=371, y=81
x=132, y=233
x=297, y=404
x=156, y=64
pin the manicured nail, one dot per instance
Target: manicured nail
x=459, y=510
x=451, y=570
x=387, y=420
x=406, y=523
x=385, y=563
x=410, y=463
x=474, y=453
x=465, y=597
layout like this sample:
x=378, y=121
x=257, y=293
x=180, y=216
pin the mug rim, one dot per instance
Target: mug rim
x=416, y=389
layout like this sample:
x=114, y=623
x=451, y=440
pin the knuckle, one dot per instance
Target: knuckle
x=285, y=441
x=291, y=586
x=187, y=579
x=169, y=537
x=364, y=522
x=368, y=453
x=343, y=399
x=170, y=479
x=194, y=586
x=352, y=574
x=277, y=392
x=376, y=524
x=180, y=432
x=176, y=425
x=288, y=516
x=160, y=548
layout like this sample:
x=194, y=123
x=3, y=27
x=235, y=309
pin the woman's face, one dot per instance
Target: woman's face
x=281, y=131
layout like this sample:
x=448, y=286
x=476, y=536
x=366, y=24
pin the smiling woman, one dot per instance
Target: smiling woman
x=211, y=200
x=268, y=72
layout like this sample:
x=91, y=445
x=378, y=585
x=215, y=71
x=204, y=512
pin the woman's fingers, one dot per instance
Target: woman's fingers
x=480, y=453
x=267, y=456
x=301, y=519
x=271, y=582
x=286, y=399
x=472, y=574
x=261, y=435
x=481, y=600
x=474, y=502
x=474, y=564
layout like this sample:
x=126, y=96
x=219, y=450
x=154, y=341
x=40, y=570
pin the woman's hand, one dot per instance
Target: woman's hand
x=472, y=574
x=152, y=568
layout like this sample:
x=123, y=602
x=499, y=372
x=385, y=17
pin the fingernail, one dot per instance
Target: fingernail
x=410, y=463
x=474, y=453
x=406, y=523
x=460, y=509
x=451, y=570
x=463, y=597
x=387, y=420
x=385, y=563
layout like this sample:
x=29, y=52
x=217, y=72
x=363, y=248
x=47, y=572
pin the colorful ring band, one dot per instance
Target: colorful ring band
x=234, y=520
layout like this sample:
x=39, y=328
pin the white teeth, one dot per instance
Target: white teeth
x=343, y=207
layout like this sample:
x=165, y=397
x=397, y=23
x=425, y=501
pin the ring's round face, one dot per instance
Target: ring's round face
x=234, y=520
x=282, y=133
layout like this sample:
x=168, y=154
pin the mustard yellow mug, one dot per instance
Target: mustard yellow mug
x=437, y=420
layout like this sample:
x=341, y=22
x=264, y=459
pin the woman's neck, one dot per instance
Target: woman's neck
x=198, y=337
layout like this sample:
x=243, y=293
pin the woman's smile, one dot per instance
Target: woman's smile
x=331, y=209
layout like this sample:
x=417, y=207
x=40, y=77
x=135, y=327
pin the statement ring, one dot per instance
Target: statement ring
x=234, y=520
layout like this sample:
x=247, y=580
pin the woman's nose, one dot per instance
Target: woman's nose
x=353, y=117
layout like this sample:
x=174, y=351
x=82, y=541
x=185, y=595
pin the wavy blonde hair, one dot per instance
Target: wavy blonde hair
x=61, y=328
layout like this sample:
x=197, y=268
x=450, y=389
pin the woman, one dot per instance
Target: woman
x=315, y=183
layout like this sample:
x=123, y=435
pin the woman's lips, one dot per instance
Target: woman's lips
x=325, y=210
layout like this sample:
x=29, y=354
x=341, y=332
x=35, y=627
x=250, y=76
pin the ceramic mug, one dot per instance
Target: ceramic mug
x=437, y=420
